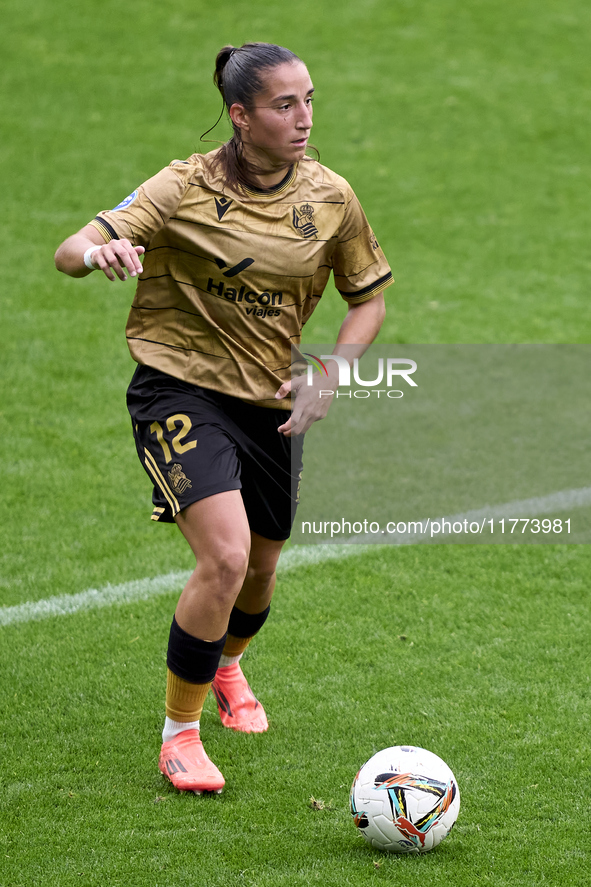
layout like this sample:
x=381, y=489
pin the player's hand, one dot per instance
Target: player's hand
x=310, y=403
x=120, y=257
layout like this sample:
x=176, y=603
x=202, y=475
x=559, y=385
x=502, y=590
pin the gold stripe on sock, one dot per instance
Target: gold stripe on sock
x=184, y=701
x=235, y=646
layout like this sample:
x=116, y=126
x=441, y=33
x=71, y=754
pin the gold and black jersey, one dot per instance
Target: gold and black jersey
x=229, y=278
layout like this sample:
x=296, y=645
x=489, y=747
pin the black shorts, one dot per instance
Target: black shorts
x=194, y=443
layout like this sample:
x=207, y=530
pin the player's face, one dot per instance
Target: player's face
x=275, y=132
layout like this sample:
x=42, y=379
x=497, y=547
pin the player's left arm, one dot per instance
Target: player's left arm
x=362, y=323
x=360, y=327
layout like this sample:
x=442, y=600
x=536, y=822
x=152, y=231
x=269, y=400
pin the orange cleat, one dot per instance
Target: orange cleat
x=239, y=708
x=183, y=760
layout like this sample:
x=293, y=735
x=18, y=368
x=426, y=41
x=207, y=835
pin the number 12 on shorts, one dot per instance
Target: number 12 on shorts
x=177, y=441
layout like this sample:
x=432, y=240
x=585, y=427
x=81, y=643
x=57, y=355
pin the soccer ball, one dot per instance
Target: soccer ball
x=405, y=800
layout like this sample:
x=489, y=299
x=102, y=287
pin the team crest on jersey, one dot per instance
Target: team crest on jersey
x=127, y=202
x=179, y=481
x=303, y=220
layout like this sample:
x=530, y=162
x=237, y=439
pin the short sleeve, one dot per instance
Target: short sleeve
x=360, y=268
x=147, y=209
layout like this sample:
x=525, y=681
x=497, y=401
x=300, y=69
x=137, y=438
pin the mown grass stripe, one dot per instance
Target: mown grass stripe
x=143, y=589
x=293, y=558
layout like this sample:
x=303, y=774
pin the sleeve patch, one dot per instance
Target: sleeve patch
x=127, y=202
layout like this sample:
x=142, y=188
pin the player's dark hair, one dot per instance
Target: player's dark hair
x=238, y=76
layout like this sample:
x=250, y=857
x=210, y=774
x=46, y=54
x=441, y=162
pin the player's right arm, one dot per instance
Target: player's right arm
x=117, y=257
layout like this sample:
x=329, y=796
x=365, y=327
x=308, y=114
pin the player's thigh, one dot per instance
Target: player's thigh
x=217, y=530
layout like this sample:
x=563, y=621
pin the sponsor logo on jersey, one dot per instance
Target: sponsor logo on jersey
x=268, y=302
x=127, y=202
x=303, y=220
x=374, y=241
x=265, y=304
x=232, y=272
x=222, y=205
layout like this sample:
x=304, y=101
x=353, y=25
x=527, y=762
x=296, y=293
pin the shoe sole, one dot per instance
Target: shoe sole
x=247, y=728
x=195, y=791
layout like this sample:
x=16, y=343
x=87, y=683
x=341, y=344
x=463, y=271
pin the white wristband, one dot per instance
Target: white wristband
x=88, y=259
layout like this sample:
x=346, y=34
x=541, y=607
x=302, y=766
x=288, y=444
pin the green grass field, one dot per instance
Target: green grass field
x=463, y=129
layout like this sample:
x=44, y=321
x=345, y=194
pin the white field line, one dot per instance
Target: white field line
x=143, y=589
x=292, y=559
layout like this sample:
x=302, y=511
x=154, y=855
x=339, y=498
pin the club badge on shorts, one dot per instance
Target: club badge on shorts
x=179, y=481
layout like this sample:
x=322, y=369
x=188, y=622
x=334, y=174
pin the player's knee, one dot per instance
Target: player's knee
x=261, y=574
x=228, y=568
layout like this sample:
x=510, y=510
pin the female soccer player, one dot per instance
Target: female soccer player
x=238, y=245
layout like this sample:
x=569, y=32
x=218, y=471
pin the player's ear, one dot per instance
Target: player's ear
x=239, y=115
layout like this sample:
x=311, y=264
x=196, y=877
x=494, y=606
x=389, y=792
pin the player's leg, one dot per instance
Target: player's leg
x=239, y=708
x=271, y=467
x=259, y=583
x=217, y=531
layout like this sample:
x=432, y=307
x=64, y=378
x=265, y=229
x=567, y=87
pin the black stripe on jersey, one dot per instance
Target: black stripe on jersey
x=166, y=308
x=272, y=339
x=263, y=237
x=177, y=347
x=378, y=284
x=179, y=249
x=108, y=228
x=200, y=350
x=217, y=193
x=211, y=261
